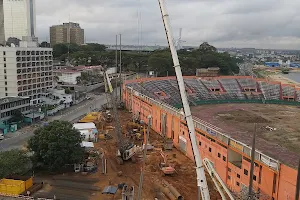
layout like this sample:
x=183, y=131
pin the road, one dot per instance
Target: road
x=72, y=114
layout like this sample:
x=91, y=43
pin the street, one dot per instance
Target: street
x=20, y=137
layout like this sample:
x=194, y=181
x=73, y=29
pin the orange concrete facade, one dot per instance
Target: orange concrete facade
x=277, y=183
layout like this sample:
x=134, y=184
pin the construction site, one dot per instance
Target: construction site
x=176, y=179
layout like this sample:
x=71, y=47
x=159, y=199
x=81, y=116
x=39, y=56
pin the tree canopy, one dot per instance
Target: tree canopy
x=17, y=117
x=14, y=162
x=56, y=145
x=159, y=61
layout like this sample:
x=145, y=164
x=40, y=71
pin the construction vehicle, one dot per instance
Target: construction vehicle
x=135, y=130
x=126, y=150
x=165, y=167
x=201, y=179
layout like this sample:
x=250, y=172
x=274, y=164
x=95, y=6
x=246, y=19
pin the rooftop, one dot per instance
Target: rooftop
x=12, y=99
x=81, y=126
x=237, y=121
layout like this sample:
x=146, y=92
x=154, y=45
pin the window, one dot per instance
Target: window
x=4, y=53
x=224, y=158
x=254, y=177
x=5, y=82
x=246, y=172
x=229, y=170
x=6, y=94
x=237, y=183
x=4, y=59
x=237, y=175
x=200, y=143
x=5, y=71
x=6, y=89
x=5, y=77
x=4, y=64
x=229, y=177
x=209, y=149
x=219, y=155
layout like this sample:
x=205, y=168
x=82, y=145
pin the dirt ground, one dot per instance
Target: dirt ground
x=77, y=186
x=238, y=120
x=184, y=181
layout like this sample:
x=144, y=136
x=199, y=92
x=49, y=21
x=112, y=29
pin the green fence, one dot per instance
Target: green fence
x=280, y=102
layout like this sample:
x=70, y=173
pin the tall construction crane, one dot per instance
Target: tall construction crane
x=126, y=150
x=201, y=179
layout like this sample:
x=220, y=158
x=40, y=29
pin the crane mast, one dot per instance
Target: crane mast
x=115, y=111
x=201, y=179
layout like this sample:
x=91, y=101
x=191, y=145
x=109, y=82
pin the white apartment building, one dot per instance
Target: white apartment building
x=19, y=18
x=25, y=71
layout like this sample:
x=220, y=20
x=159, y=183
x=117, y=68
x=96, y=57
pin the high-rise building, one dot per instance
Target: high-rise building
x=25, y=71
x=17, y=19
x=67, y=33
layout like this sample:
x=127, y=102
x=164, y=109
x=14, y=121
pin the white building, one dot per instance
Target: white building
x=87, y=130
x=56, y=97
x=19, y=18
x=25, y=71
x=67, y=75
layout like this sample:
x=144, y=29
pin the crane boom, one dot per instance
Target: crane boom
x=201, y=179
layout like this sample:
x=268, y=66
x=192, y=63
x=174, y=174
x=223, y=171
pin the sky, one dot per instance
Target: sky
x=273, y=24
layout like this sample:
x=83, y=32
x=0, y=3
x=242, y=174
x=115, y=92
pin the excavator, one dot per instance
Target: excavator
x=125, y=149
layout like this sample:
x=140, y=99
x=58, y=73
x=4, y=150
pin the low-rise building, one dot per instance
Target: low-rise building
x=68, y=76
x=9, y=105
x=88, y=131
x=56, y=97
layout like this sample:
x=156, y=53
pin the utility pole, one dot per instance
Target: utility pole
x=251, y=192
x=144, y=159
x=298, y=183
x=120, y=68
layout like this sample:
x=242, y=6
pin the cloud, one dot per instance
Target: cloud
x=223, y=23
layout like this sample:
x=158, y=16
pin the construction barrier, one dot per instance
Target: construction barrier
x=12, y=187
x=15, y=187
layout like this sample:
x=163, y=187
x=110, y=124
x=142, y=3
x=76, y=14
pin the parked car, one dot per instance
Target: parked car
x=1, y=136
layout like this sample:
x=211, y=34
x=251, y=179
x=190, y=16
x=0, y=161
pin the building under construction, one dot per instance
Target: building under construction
x=225, y=110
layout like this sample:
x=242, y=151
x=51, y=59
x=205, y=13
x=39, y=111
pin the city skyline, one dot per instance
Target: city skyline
x=270, y=24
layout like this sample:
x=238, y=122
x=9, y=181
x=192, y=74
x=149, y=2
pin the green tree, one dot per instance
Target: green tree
x=68, y=91
x=59, y=50
x=205, y=47
x=56, y=145
x=14, y=162
x=17, y=117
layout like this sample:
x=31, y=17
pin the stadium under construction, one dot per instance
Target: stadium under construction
x=225, y=111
